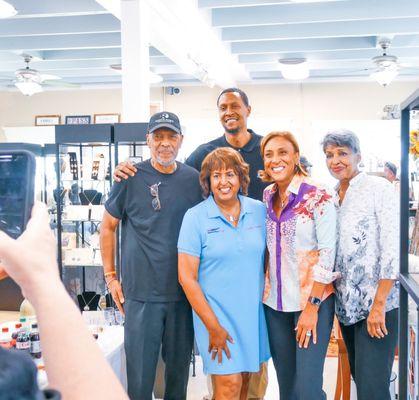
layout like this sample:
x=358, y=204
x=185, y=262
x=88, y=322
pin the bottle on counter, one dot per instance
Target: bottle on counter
x=5, y=338
x=15, y=333
x=35, y=342
x=27, y=311
x=23, y=341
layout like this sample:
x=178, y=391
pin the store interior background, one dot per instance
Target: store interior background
x=307, y=108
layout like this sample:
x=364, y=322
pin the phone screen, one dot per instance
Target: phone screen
x=13, y=192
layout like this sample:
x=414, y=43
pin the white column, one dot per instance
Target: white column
x=135, y=61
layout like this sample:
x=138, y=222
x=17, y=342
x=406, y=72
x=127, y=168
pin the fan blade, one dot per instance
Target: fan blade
x=48, y=77
x=412, y=68
x=355, y=71
x=60, y=83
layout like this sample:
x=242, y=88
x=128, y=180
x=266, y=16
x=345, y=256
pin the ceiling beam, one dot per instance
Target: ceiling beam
x=330, y=65
x=399, y=26
x=61, y=42
x=12, y=56
x=324, y=74
x=236, y=3
x=285, y=46
x=245, y=3
x=83, y=54
x=27, y=8
x=326, y=55
x=315, y=12
x=61, y=65
x=59, y=25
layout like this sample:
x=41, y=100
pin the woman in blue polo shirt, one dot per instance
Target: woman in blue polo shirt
x=221, y=257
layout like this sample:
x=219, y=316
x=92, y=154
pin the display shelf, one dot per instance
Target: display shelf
x=409, y=286
x=85, y=155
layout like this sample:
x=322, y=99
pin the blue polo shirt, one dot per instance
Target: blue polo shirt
x=231, y=277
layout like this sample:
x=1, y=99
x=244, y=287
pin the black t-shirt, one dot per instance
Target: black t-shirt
x=250, y=153
x=149, y=237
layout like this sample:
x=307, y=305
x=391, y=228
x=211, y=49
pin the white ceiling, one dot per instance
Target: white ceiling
x=78, y=40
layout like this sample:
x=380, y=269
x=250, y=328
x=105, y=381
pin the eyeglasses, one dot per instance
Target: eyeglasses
x=154, y=191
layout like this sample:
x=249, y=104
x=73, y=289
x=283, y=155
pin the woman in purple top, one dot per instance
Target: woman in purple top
x=298, y=298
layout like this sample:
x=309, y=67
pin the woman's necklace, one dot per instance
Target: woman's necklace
x=283, y=201
x=230, y=216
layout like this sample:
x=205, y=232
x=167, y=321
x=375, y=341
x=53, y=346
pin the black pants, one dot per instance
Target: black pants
x=299, y=371
x=147, y=327
x=371, y=359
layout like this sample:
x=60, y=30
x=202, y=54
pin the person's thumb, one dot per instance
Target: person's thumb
x=120, y=295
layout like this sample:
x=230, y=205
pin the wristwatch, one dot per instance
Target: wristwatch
x=315, y=301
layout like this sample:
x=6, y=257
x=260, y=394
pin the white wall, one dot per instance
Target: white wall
x=286, y=106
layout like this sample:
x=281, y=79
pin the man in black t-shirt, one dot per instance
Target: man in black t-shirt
x=150, y=207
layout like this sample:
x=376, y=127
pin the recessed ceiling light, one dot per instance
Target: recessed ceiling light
x=6, y=10
x=294, y=68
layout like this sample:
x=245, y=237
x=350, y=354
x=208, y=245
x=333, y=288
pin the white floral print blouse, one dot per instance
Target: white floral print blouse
x=368, y=246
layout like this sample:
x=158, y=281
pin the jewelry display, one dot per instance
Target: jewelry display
x=88, y=301
x=73, y=165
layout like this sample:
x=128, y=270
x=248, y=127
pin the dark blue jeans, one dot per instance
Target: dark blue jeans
x=371, y=359
x=299, y=371
x=147, y=327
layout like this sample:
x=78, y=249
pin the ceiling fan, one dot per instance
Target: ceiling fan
x=385, y=66
x=30, y=81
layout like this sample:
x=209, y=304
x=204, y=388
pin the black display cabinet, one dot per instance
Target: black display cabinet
x=409, y=279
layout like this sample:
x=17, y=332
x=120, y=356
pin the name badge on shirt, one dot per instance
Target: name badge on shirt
x=214, y=230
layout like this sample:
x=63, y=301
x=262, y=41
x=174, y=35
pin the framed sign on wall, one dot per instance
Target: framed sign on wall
x=47, y=120
x=77, y=119
x=106, y=118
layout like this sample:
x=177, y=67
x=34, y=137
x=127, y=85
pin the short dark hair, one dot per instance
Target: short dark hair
x=392, y=167
x=243, y=95
x=224, y=157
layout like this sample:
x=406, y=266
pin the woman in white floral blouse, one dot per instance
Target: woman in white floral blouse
x=367, y=257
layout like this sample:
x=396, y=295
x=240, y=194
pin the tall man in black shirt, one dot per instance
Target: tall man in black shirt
x=234, y=109
x=150, y=207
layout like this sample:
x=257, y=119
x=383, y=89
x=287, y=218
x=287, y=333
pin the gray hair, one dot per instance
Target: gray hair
x=342, y=138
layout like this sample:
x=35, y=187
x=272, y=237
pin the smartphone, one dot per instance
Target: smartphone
x=17, y=176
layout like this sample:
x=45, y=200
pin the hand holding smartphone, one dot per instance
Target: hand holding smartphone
x=17, y=175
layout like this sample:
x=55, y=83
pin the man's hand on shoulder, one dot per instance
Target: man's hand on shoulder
x=124, y=170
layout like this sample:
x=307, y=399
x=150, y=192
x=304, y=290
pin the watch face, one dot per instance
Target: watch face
x=315, y=300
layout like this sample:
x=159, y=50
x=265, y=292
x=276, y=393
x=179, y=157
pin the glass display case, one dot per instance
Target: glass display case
x=85, y=156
